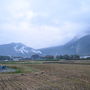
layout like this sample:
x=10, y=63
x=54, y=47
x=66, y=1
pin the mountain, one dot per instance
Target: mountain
x=80, y=46
x=17, y=49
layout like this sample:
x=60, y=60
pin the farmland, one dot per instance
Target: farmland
x=38, y=75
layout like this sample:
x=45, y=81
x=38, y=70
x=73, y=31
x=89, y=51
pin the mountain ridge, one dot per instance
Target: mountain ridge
x=79, y=46
x=17, y=49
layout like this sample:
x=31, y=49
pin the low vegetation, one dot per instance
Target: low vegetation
x=34, y=75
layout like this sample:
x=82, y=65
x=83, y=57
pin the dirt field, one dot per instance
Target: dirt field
x=46, y=77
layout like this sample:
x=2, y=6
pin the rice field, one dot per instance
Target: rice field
x=43, y=76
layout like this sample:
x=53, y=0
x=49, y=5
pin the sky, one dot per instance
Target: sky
x=43, y=23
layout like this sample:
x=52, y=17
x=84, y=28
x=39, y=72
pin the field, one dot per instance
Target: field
x=38, y=75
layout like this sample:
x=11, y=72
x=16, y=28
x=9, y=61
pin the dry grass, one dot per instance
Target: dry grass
x=47, y=77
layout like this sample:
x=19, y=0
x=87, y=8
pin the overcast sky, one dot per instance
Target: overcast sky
x=43, y=23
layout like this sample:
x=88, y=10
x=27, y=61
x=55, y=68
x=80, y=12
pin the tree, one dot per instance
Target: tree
x=35, y=57
x=49, y=57
x=5, y=58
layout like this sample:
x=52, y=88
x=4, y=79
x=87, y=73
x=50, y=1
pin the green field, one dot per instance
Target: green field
x=42, y=75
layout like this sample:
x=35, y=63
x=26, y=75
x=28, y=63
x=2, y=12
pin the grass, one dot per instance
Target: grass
x=21, y=69
x=21, y=66
x=21, y=62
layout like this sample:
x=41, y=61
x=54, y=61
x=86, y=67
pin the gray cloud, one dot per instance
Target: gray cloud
x=43, y=23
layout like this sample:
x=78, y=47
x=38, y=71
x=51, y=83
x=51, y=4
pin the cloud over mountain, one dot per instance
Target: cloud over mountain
x=43, y=23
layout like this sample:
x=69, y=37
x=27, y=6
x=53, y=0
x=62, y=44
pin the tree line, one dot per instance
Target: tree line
x=58, y=57
x=5, y=58
x=47, y=57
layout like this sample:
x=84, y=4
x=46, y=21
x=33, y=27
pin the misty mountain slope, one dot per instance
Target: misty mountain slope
x=17, y=49
x=80, y=46
x=83, y=45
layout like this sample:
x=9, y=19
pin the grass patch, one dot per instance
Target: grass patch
x=23, y=69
